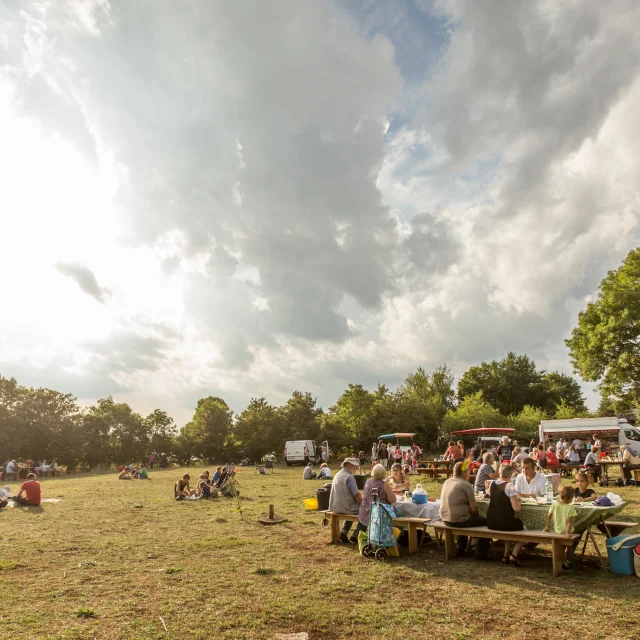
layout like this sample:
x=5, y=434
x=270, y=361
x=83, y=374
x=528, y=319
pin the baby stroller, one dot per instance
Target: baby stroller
x=380, y=532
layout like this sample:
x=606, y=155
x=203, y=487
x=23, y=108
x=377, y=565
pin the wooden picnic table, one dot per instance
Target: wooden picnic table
x=436, y=468
x=605, y=464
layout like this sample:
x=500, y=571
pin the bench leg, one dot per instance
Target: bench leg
x=557, y=551
x=449, y=545
x=413, y=537
x=335, y=529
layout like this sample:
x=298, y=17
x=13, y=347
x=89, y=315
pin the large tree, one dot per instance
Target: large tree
x=301, y=417
x=434, y=390
x=259, y=429
x=515, y=382
x=209, y=431
x=605, y=345
x=473, y=412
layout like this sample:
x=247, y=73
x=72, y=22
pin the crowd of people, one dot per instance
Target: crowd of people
x=207, y=486
x=133, y=472
x=29, y=495
x=24, y=467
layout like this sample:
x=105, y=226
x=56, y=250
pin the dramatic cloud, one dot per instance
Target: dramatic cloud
x=85, y=279
x=301, y=195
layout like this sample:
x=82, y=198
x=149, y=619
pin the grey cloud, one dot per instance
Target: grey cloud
x=85, y=279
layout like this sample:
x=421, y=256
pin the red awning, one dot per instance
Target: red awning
x=483, y=432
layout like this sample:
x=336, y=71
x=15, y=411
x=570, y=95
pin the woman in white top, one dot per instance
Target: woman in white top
x=572, y=456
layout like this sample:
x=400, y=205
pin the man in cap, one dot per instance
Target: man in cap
x=345, y=498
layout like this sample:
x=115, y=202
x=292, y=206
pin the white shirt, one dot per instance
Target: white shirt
x=559, y=445
x=11, y=468
x=537, y=486
x=577, y=444
x=574, y=456
x=307, y=474
x=325, y=473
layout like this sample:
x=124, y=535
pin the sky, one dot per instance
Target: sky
x=249, y=198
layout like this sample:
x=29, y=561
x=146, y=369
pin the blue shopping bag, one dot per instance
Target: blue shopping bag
x=381, y=525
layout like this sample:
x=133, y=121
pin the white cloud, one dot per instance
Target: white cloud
x=287, y=196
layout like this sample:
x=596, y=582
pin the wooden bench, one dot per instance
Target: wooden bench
x=616, y=527
x=434, y=473
x=413, y=525
x=558, y=541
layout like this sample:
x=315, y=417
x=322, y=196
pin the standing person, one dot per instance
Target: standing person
x=458, y=508
x=345, y=498
x=596, y=441
x=541, y=456
x=397, y=455
x=152, y=459
x=501, y=515
x=505, y=450
x=563, y=514
x=361, y=459
x=324, y=454
x=577, y=444
x=31, y=487
x=374, y=450
x=532, y=445
x=461, y=446
x=383, y=454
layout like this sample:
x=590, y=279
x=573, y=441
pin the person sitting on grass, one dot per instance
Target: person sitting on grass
x=125, y=475
x=325, y=472
x=182, y=489
x=308, y=473
x=583, y=493
x=501, y=515
x=398, y=480
x=563, y=514
x=143, y=474
x=32, y=490
x=216, y=475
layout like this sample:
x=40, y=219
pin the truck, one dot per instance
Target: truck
x=303, y=452
x=612, y=431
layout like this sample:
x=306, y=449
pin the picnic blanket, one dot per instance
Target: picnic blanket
x=428, y=511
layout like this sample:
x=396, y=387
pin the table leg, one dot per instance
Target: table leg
x=413, y=537
x=335, y=529
x=449, y=545
x=596, y=547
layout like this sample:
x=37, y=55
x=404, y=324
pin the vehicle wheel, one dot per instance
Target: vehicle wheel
x=381, y=554
x=367, y=551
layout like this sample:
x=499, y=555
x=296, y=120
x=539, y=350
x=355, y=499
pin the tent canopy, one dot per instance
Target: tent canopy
x=483, y=432
x=390, y=436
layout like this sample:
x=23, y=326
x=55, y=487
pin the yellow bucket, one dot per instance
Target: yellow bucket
x=311, y=504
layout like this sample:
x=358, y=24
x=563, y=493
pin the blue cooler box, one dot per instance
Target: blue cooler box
x=620, y=551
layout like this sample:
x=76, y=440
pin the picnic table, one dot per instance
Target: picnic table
x=534, y=516
x=436, y=467
x=605, y=464
x=427, y=511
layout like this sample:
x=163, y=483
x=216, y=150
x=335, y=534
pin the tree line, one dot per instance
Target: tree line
x=48, y=424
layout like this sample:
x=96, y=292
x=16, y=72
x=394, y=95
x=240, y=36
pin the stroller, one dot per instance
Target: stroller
x=380, y=532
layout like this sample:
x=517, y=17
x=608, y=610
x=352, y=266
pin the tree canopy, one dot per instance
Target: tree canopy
x=605, y=345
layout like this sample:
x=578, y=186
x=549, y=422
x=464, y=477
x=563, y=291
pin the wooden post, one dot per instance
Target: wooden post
x=271, y=512
x=413, y=537
x=335, y=528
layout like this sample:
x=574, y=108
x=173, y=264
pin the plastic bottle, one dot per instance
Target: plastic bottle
x=549, y=491
x=420, y=495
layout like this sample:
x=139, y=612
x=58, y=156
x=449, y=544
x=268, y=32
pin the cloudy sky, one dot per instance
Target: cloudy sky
x=246, y=198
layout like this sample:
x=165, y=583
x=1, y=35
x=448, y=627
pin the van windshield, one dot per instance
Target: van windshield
x=632, y=434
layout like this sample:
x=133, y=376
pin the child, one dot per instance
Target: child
x=563, y=514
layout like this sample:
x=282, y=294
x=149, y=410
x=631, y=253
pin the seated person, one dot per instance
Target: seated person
x=385, y=493
x=325, y=472
x=485, y=473
x=583, y=492
x=530, y=483
x=12, y=467
x=308, y=473
x=345, y=498
x=125, y=475
x=552, y=458
x=398, y=481
x=631, y=461
x=216, y=475
x=501, y=515
x=572, y=456
x=143, y=474
x=592, y=462
x=32, y=490
x=517, y=458
x=182, y=489
x=459, y=509
x=204, y=486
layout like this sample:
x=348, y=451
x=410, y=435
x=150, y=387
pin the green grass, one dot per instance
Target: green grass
x=97, y=566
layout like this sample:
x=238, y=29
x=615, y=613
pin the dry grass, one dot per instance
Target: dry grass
x=114, y=557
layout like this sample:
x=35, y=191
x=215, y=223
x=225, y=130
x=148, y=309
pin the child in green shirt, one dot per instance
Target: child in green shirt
x=563, y=514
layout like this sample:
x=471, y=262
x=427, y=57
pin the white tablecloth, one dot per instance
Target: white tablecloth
x=428, y=511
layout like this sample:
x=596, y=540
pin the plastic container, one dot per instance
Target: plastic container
x=311, y=504
x=360, y=480
x=323, y=498
x=420, y=496
x=621, y=554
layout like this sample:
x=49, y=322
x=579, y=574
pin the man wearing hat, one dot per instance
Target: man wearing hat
x=345, y=498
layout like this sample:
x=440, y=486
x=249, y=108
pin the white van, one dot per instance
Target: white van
x=615, y=431
x=303, y=452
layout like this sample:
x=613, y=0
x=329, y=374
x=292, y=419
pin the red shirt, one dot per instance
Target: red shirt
x=552, y=459
x=32, y=489
x=454, y=452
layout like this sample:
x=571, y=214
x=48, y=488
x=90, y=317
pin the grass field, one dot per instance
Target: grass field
x=114, y=557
